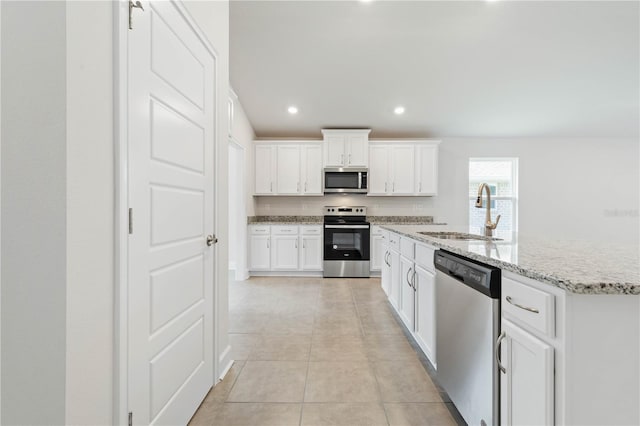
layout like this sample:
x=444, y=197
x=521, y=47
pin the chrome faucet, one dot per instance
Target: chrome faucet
x=488, y=225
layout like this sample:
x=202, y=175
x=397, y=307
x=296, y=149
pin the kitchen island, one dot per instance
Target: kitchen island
x=570, y=320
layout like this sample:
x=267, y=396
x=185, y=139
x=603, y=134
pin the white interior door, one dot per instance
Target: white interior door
x=171, y=187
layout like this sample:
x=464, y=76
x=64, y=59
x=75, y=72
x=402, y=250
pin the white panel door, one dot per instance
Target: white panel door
x=265, y=169
x=312, y=169
x=356, y=150
x=407, y=294
x=259, y=253
x=311, y=253
x=425, y=331
x=334, y=155
x=527, y=396
x=288, y=170
x=378, y=170
x=426, y=169
x=171, y=191
x=284, y=252
x=403, y=170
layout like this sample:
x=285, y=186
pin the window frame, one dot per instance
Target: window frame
x=514, y=183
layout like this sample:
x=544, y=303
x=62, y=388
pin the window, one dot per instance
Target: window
x=500, y=174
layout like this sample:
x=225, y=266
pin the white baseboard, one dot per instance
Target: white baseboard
x=225, y=361
x=286, y=273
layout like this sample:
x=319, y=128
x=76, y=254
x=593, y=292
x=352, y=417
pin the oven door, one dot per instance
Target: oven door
x=346, y=242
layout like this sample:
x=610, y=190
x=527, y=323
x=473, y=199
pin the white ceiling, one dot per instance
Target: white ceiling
x=460, y=68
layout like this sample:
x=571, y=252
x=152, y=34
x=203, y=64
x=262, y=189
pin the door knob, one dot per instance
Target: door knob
x=211, y=240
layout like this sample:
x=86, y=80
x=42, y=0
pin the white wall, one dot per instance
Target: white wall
x=584, y=188
x=90, y=213
x=244, y=135
x=34, y=192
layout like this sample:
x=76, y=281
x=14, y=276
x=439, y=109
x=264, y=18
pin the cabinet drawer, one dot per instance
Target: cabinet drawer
x=424, y=257
x=310, y=230
x=284, y=230
x=394, y=241
x=407, y=248
x=260, y=229
x=528, y=306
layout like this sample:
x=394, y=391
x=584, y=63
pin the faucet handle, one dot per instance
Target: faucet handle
x=495, y=225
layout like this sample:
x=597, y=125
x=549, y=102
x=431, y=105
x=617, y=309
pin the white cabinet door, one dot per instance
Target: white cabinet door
x=385, y=280
x=403, y=170
x=312, y=170
x=356, y=150
x=425, y=332
x=527, y=387
x=284, y=252
x=311, y=253
x=407, y=294
x=335, y=146
x=259, y=252
x=378, y=170
x=394, y=271
x=426, y=170
x=288, y=175
x=376, y=252
x=265, y=169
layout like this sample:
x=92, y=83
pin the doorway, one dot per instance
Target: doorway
x=237, y=213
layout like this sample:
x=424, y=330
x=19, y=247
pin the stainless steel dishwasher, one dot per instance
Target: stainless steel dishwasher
x=467, y=326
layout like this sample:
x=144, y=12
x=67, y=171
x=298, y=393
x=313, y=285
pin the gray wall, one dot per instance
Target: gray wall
x=33, y=212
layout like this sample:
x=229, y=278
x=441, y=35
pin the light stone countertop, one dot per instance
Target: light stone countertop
x=582, y=267
x=318, y=220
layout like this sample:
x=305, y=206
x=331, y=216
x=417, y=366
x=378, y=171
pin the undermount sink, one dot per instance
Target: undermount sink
x=443, y=235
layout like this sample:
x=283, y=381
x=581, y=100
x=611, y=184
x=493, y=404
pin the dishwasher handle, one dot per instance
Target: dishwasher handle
x=498, y=343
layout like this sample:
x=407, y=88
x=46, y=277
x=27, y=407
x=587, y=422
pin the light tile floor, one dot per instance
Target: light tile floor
x=313, y=351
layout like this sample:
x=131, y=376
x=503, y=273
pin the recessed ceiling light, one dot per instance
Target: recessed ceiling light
x=292, y=110
x=399, y=110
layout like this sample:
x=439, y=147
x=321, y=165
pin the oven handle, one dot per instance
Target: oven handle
x=346, y=226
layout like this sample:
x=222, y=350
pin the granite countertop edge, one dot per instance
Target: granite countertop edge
x=619, y=288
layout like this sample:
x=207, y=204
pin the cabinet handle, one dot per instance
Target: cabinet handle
x=526, y=308
x=385, y=187
x=393, y=187
x=349, y=158
x=268, y=241
x=413, y=281
x=298, y=187
x=386, y=258
x=419, y=186
x=271, y=187
x=305, y=186
x=304, y=245
x=498, y=343
x=296, y=243
x=342, y=159
x=409, y=282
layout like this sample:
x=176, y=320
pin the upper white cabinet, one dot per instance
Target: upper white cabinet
x=426, y=182
x=346, y=147
x=403, y=168
x=265, y=158
x=288, y=168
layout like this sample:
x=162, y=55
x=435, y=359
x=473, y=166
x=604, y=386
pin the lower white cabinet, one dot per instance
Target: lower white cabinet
x=284, y=252
x=385, y=274
x=285, y=248
x=311, y=253
x=407, y=293
x=425, y=322
x=377, y=249
x=394, y=282
x=527, y=383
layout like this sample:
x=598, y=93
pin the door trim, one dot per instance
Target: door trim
x=121, y=229
x=242, y=271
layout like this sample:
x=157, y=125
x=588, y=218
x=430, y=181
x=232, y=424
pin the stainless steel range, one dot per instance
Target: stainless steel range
x=346, y=242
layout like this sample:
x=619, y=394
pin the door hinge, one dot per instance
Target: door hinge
x=130, y=221
x=138, y=5
x=130, y=419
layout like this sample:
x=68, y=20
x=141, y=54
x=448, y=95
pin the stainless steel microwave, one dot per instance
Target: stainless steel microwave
x=345, y=180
